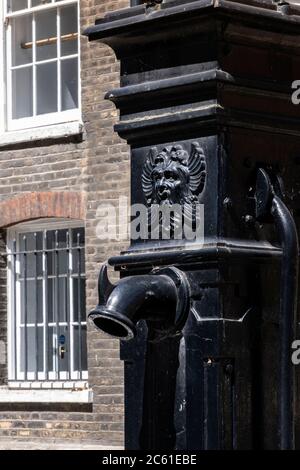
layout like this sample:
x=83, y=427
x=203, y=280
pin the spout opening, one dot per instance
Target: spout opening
x=111, y=327
x=121, y=328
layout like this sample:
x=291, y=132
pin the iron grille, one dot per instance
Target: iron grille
x=47, y=306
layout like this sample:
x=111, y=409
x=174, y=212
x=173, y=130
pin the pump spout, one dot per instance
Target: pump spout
x=161, y=297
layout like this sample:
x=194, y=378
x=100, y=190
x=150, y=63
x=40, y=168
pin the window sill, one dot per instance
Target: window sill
x=32, y=395
x=41, y=133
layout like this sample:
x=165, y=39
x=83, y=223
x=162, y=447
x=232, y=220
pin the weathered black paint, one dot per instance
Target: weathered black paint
x=218, y=73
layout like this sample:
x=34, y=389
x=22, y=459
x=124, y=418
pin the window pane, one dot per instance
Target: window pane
x=21, y=39
x=81, y=314
x=61, y=238
x=32, y=242
x=62, y=257
x=57, y=262
x=58, y=310
x=45, y=30
x=22, y=93
x=82, y=340
x=78, y=236
x=52, y=348
x=15, y=5
x=78, y=240
x=33, y=290
x=69, y=84
x=69, y=25
x=34, y=261
x=46, y=77
x=31, y=349
x=35, y=3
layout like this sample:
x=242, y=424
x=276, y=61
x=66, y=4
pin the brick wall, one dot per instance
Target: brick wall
x=96, y=168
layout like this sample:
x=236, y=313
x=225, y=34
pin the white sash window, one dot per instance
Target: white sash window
x=42, y=53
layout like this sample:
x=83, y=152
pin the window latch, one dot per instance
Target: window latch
x=61, y=351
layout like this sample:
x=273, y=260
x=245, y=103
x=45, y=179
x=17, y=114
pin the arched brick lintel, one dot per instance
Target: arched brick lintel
x=35, y=205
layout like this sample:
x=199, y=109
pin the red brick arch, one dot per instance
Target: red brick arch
x=35, y=205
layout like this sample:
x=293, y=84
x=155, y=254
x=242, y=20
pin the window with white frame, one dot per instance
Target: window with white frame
x=42, y=52
x=47, y=318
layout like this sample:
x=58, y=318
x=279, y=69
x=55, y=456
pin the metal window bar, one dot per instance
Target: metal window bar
x=58, y=50
x=34, y=69
x=67, y=302
x=14, y=301
x=56, y=309
x=45, y=306
x=36, y=372
x=25, y=331
x=48, y=41
x=21, y=368
x=79, y=303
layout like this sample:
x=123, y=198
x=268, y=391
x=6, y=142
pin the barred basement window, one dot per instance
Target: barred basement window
x=47, y=321
x=42, y=43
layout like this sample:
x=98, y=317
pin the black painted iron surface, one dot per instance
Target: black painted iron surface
x=205, y=99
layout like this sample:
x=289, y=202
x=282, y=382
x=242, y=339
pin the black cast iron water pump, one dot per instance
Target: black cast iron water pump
x=205, y=104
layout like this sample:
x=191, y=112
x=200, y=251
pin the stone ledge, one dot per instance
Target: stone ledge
x=15, y=444
x=45, y=396
x=56, y=131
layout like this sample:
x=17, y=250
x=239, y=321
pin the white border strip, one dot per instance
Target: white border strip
x=41, y=133
x=45, y=396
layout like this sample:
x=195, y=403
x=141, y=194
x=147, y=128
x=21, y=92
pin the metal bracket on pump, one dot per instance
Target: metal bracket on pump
x=269, y=202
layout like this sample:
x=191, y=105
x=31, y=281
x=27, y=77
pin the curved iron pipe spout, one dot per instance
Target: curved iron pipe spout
x=161, y=296
x=289, y=283
x=267, y=201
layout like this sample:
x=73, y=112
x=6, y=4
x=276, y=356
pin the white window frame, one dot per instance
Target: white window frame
x=9, y=125
x=77, y=380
